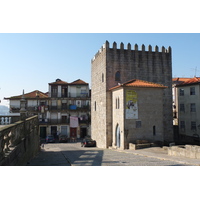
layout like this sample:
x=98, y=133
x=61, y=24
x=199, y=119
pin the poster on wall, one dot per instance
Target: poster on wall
x=131, y=105
x=73, y=122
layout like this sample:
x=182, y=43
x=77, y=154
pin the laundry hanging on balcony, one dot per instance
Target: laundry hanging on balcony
x=73, y=122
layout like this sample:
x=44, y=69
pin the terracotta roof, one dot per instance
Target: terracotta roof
x=140, y=84
x=78, y=82
x=191, y=81
x=59, y=82
x=181, y=79
x=31, y=95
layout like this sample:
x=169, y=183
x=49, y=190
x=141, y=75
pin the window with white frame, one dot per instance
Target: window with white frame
x=192, y=91
x=181, y=92
x=193, y=126
x=192, y=107
x=182, y=107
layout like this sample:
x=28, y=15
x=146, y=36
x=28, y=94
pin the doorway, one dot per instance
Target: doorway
x=43, y=132
x=117, y=136
x=73, y=132
x=54, y=131
x=83, y=132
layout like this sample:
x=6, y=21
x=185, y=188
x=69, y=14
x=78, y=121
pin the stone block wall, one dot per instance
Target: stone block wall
x=188, y=151
x=19, y=142
x=98, y=100
x=150, y=114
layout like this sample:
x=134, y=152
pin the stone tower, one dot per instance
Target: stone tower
x=112, y=66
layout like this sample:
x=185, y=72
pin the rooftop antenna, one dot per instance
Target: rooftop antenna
x=195, y=71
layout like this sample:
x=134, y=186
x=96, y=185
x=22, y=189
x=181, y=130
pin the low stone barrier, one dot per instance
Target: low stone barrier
x=19, y=142
x=188, y=151
x=133, y=146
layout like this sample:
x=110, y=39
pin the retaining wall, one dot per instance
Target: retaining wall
x=19, y=142
x=188, y=151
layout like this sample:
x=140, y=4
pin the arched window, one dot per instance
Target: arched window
x=117, y=76
x=95, y=106
x=154, y=130
x=102, y=77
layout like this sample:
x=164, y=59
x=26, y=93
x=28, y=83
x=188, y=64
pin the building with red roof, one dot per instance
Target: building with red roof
x=137, y=108
x=186, y=107
x=63, y=104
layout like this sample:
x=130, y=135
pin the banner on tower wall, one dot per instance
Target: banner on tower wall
x=131, y=105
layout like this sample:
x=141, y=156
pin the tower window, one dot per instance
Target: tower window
x=102, y=77
x=138, y=124
x=154, y=130
x=117, y=76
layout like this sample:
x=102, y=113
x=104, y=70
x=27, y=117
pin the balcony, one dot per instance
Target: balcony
x=78, y=95
x=34, y=109
x=14, y=109
x=53, y=121
x=71, y=95
x=61, y=121
x=69, y=107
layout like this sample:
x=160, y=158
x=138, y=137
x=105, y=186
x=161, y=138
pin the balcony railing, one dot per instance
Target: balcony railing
x=7, y=119
x=78, y=95
x=69, y=107
x=61, y=121
x=54, y=121
x=71, y=95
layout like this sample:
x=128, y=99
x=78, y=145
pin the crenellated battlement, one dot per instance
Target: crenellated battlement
x=106, y=46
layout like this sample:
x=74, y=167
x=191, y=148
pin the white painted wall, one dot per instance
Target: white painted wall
x=32, y=103
x=15, y=103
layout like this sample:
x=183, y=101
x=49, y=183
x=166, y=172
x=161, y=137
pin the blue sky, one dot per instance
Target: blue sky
x=43, y=40
x=31, y=61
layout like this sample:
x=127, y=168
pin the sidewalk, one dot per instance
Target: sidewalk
x=162, y=154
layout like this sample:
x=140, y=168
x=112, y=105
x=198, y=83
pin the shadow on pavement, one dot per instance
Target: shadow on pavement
x=57, y=157
x=49, y=158
x=84, y=157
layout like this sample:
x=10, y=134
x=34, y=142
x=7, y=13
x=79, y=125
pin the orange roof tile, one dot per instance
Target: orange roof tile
x=140, y=84
x=180, y=79
x=191, y=81
x=31, y=95
x=60, y=82
x=78, y=82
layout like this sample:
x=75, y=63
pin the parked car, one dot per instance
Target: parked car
x=63, y=138
x=50, y=138
x=88, y=142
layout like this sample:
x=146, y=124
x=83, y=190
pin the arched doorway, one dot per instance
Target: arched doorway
x=117, y=136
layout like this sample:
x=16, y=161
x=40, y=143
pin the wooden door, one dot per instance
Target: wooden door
x=73, y=132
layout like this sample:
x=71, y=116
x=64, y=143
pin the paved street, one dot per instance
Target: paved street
x=72, y=154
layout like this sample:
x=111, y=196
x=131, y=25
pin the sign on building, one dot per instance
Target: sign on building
x=131, y=105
